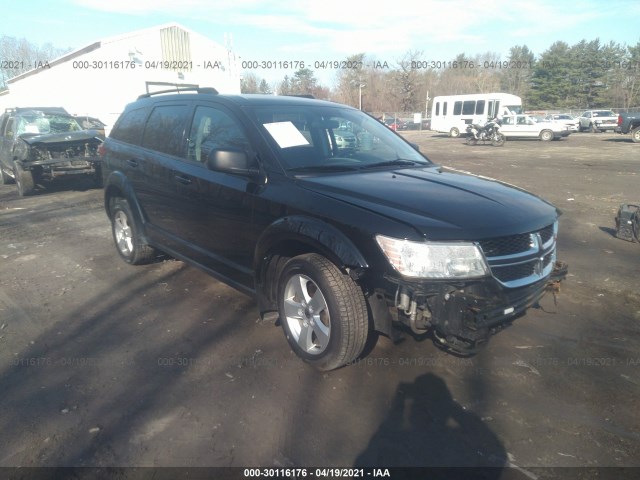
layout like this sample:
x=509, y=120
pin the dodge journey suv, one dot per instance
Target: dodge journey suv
x=336, y=242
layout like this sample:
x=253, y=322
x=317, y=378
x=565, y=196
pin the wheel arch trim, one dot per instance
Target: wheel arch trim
x=118, y=185
x=319, y=236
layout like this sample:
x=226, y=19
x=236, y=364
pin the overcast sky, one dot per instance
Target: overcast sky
x=329, y=30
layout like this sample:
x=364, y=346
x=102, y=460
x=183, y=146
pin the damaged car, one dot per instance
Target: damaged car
x=334, y=243
x=45, y=143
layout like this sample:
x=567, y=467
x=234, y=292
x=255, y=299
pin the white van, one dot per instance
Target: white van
x=452, y=113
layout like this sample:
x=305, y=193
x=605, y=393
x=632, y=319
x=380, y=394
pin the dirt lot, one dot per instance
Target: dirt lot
x=104, y=364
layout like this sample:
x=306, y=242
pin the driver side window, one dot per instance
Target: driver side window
x=213, y=129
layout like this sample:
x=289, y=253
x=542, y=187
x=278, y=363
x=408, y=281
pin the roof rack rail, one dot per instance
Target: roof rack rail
x=180, y=90
x=305, y=95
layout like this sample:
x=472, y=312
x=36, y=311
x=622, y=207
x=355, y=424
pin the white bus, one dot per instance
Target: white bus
x=452, y=113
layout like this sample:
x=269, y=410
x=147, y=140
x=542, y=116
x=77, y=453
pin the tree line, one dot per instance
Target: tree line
x=586, y=75
x=18, y=55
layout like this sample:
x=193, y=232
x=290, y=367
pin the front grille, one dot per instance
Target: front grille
x=519, y=260
x=514, y=272
x=499, y=247
x=546, y=234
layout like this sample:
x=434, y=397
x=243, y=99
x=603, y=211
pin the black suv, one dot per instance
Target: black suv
x=45, y=142
x=338, y=242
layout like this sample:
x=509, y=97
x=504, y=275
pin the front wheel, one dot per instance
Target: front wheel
x=322, y=311
x=126, y=235
x=24, y=180
x=4, y=178
x=546, y=135
x=498, y=140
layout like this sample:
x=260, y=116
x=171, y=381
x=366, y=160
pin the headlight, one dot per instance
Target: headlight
x=433, y=260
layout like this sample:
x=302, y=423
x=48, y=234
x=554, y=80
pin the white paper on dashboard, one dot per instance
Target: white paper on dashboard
x=286, y=134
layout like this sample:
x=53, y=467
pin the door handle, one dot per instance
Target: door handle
x=183, y=179
x=132, y=162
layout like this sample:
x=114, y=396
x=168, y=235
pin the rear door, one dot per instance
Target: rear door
x=162, y=152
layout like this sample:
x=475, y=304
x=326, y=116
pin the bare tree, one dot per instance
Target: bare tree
x=19, y=56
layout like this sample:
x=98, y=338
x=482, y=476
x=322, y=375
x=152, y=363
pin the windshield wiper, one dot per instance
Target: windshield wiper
x=394, y=163
x=323, y=168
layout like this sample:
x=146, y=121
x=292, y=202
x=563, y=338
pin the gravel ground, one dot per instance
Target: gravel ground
x=105, y=364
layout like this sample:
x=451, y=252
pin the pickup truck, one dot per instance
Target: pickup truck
x=629, y=122
x=525, y=126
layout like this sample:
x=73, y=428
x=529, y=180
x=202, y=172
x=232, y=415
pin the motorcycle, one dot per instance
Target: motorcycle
x=489, y=132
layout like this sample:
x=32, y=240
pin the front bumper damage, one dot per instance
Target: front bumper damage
x=62, y=167
x=463, y=316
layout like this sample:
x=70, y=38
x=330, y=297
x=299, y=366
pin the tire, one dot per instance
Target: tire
x=24, y=181
x=322, y=311
x=499, y=140
x=471, y=140
x=635, y=135
x=4, y=178
x=126, y=235
x=593, y=128
x=97, y=177
x=546, y=135
x=454, y=132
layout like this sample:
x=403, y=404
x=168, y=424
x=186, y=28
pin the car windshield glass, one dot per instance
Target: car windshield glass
x=40, y=123
x=604, y=113
x=330, y=139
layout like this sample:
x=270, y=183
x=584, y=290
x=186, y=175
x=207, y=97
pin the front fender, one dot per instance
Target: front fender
x=322, y=236
x=295, y=235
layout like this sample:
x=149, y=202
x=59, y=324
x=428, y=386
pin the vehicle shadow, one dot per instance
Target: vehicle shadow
x=77, y=183
x=611, y=231
x=621, y=139
x=426, y=427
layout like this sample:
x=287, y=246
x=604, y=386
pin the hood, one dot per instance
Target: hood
x=440, y=204
x=53, y=139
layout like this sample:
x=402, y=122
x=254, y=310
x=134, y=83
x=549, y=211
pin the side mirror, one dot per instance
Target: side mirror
x=415, y=146
x=235, y=162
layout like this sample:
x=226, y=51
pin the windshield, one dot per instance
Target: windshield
x=41, y=123
x=604, y=113
x=324, y=138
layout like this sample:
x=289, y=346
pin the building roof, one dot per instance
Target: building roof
x=95, y=45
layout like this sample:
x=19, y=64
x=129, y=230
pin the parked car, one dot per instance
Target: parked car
x=253, y=190
x=598, y=120
x=345, y=139
x=565, y=119
x=629, y=123
x=40, y=143
x=91, y=123
x=524, y=126
x=395, y=124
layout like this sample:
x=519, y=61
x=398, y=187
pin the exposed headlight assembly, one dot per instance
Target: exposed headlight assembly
x=446, y=260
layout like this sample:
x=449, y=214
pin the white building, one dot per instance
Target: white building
x=99, y=79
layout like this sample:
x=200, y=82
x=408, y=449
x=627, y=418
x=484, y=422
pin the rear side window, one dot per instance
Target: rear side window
x=468, y=107
x=165, y=129
x=130, y=126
